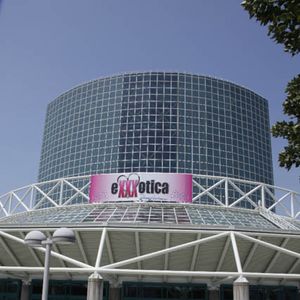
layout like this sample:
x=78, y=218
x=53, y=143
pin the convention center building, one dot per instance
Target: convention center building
x=164, y=183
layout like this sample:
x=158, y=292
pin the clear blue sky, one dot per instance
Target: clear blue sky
x=47, y=47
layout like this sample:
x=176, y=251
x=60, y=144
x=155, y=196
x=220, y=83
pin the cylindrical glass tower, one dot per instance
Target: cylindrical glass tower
x=158, y=122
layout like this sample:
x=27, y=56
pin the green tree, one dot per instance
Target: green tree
x=283, y=20
x=290, y=130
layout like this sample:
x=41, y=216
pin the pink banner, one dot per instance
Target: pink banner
x=141, y=187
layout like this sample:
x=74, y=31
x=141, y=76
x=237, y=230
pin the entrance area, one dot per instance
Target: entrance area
x=10, y=289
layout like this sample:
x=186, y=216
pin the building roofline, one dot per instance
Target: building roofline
x=155, y=71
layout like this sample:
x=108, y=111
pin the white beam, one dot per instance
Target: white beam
x=167, y=273
x=9, y=252
x=55, y=254
x=101, y=247
x=45, y=197
x=164, y=251
x=291, y=269
x=275, y=257
x=167, y=245
x=78, y=192
x=48, y=193
x=294, y=266
x=278, y=201
x=269, y=245
x=41, y=269
x=102, y=270
x=81, y=247
x=243, y=193
x=195, y=255
x=20, y=202
x=245, y=196
x=182, y=230
x=55, y=247
x=109, y=248
x=198, y=273
x=31, y=250
x=250, y=254
x=236, y=253
x=110, y=253
x=13, y=275
x=3, y=209
x=223, y=254
x=138, y=249
x=196, y=230
x=207, y=191
x=67, y=259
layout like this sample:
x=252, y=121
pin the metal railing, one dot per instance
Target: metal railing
x=213, y=190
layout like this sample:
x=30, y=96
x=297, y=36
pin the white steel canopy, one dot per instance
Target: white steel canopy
x=127, y=253
x=154, y=241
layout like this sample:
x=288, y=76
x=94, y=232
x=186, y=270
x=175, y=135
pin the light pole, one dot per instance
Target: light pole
x=36, y=238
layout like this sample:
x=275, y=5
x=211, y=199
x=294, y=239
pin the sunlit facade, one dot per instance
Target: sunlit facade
x=110, y=146
x=158, y=122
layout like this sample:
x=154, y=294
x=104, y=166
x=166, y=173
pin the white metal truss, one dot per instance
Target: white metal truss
x=120, y=268
x=194, y=256
x=65, y=258
x=275, y=257
x=81, y=247
x=138, y=248
x=224, y=252
x=250, y=254
x=216, y=189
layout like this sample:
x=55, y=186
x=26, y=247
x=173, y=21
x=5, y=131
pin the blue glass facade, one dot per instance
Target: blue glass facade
x=158, y=122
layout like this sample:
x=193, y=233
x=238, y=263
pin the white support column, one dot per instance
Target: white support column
x=241, y=289
x=25, y=291
x=95, y=287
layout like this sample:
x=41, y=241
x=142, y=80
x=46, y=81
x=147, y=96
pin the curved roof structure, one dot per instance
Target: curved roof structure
x=155, y=250
x=211, y=244
x=151, y=214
